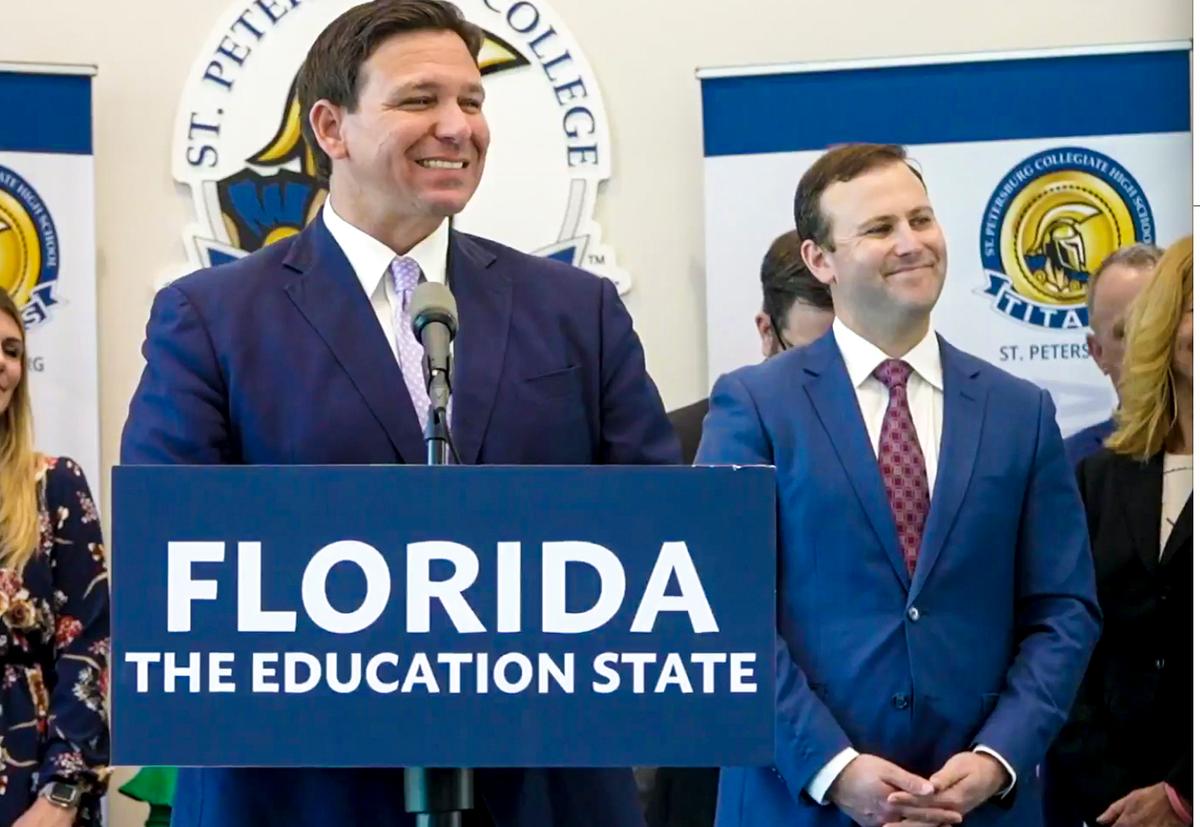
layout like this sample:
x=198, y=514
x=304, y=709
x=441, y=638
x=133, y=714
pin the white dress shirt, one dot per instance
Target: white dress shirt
x=925, y=403
x=371, y=261
x=924, y=389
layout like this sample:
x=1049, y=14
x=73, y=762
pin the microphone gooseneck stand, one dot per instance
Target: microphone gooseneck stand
x=438, y=796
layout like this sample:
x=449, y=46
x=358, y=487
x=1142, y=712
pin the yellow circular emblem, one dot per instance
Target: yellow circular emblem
x=20, y=249
x=1058, y=229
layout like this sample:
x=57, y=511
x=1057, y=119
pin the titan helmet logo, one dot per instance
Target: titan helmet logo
x=1049, y=224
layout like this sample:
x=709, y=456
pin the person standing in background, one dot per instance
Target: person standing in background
x=1124, y=759
x=54, y=619
x=796, y=311
x=1110, y=291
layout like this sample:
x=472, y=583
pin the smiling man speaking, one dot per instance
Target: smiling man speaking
x=303, y=353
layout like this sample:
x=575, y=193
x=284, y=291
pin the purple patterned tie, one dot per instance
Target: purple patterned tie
x=901, y=461
x=405, y=275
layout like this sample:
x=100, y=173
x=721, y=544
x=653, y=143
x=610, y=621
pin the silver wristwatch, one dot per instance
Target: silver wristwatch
x=62, y=794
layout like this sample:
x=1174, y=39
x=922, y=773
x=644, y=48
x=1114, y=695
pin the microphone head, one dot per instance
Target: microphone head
x=433, y=302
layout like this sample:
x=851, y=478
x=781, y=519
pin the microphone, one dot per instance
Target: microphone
x=434, y=323
x=437, y=796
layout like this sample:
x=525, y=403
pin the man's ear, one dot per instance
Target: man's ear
x=818, y=260
x=766, y=334
x=325, y=118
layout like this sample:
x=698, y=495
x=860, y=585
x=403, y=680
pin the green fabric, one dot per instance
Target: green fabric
x=160, y=816
x=155, y=786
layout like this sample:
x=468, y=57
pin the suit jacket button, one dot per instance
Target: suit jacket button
x=914, y=614
x=900, y=700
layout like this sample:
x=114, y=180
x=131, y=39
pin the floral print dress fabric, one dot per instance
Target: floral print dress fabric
x=54, y=641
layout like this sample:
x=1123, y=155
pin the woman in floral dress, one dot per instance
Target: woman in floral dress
x=53, y=619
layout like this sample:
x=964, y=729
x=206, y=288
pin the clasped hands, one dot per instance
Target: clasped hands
x=877, y=793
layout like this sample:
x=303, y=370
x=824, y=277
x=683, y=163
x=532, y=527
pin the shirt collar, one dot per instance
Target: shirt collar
x=862, y=357
x=370, y=258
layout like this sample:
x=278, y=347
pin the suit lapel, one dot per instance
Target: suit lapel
x=963, y=400
x=484, y=295
x=1181, y=535
x=836, y=404
x=1141, y=486
x=329, y=295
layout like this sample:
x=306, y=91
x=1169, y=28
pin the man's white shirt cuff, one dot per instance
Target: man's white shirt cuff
x=1012, y=776
x=818, y=788
x=823, y=780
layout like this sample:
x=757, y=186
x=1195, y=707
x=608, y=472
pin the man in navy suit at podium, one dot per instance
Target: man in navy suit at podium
x=936, y=599
x=303, y=353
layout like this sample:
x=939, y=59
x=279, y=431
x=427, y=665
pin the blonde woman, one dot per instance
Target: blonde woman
x=53, y=619
x=1124, y=758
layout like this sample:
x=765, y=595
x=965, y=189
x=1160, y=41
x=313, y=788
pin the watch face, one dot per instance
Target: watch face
x=65, y=795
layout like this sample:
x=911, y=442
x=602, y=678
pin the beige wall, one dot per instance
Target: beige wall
x=644, y=54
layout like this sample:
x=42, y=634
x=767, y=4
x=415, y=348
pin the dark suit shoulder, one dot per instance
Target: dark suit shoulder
x=1100, y=464
x=1094, y=469
x=526, y=267
x=689, y=414
x=1107, y=477
x=688, y=423
x=1106, y=461
x=239, y=278
x=1086, y=442
x=1106, y=464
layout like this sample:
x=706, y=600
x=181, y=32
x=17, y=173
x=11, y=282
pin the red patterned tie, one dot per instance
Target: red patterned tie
x=901, y=461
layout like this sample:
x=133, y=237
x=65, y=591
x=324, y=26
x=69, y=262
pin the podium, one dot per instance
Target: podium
x=388, y=616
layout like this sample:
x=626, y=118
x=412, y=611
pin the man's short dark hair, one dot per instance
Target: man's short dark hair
x=842, y=163
x=786, y=280
x=332, y=69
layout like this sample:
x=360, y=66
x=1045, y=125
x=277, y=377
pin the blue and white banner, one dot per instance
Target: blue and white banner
x=1017, y=150
x=48, y=248
x=457, y=616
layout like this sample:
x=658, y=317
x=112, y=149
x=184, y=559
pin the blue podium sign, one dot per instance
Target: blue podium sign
x=452, y=616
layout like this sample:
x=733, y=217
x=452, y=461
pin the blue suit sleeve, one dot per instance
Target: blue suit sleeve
x=179, y=412
x=635, y=429
x=1057, y=613
x=807, y=736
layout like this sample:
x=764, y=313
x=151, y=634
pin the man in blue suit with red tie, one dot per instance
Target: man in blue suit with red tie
x=936, y=600
x=303, y=353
